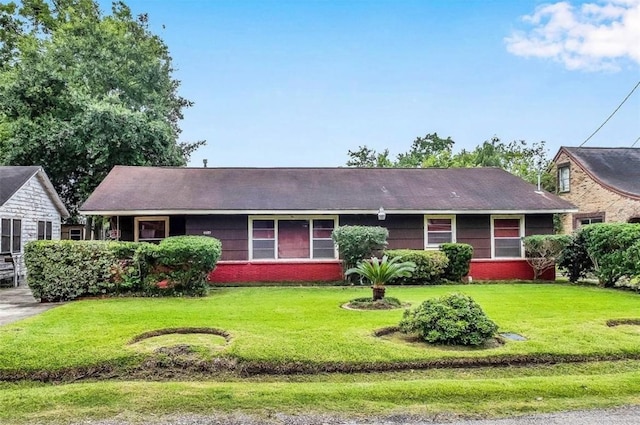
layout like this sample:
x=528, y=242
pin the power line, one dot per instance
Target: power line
x=612, y=114
x=634, y=143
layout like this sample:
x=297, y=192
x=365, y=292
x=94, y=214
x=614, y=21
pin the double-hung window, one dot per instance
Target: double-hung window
x=45, y=230
x=564, y=178
x=439, y=229
x=291, y=238
x=10, y=235
x=507, y=233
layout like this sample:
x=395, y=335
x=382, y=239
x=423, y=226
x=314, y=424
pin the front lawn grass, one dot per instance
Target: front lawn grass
x=278, y=326
x=307, y=325
x=466, y=393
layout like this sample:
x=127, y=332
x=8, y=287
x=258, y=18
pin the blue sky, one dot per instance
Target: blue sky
x=299, y=83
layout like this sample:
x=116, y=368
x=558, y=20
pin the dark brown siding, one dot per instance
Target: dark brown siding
x=476, y=231
x=405, y=231
x=539, y=224
x=231, y=230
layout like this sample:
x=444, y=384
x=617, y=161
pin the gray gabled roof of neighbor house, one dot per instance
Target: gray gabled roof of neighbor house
x=618, y=169
x=12, y=178
x=159, y=190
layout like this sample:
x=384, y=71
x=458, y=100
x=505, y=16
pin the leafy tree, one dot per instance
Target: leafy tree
x=81, y=91
x=517, y=157
x=543, y=251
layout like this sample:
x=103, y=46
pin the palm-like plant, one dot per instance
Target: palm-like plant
x=380, y=272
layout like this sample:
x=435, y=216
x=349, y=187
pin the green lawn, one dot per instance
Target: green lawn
x=307, y=326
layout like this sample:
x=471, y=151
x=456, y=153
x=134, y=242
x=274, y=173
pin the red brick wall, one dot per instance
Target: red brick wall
x=330, y=271
x=505, y=270
x=281, y=271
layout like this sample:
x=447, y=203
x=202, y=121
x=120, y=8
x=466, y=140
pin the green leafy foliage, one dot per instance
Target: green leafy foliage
x=459, y=256
x=355, y=243
x=429, y=266
x=182, y=262
x=517, y=157
x=65, y=270
x=454, y=319
x=81, y=92
x=380, y=272
x=574, y=260
x=543, y=251
x=612, y=249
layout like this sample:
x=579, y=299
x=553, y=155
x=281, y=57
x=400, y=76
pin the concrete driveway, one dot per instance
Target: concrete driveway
x=18, y=303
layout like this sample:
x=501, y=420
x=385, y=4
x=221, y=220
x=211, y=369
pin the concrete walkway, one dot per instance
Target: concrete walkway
x=18, y=303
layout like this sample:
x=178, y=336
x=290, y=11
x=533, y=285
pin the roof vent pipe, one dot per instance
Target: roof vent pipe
x=204, y=161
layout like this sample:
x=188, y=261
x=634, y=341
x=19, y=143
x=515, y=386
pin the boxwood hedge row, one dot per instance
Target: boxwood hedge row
x=65, y=270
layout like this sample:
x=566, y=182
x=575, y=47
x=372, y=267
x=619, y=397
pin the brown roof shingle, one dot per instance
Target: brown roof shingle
x=616, y=168
x=150, y=190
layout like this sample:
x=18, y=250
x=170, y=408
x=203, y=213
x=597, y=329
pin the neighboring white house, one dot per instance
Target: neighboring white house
x=30, y=209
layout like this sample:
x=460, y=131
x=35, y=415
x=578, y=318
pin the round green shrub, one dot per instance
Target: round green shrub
x=454, y=319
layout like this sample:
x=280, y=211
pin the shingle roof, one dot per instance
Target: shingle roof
x=12, y=179
x=616, y=168
x=140, y=190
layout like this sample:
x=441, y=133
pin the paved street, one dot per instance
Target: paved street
x=619, y=416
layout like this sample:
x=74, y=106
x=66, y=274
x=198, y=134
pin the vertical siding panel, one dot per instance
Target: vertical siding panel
x=231, y=230
x=475, y=230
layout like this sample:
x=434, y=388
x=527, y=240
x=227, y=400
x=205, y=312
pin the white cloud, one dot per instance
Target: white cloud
x=593, y=36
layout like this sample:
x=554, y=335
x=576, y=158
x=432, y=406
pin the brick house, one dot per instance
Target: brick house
x=604, y=183
x=275, y=224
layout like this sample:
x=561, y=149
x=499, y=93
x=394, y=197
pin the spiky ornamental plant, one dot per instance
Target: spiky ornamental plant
x=379, y=272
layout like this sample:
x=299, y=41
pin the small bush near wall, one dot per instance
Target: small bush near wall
x=459, y=255
x=430, y=266
x=356, y=243
x=179, y=264
x=574, y=259
x=543, y=251
x=65, y=270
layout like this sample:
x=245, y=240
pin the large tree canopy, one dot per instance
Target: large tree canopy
x=517, y=157
x=81, y=91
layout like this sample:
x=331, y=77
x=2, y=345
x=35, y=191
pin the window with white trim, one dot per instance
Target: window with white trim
x=291, y=238
x=151, y=229
x=564, y=178
x=439, y=229
x=45, y=230
x=10, y=235
x=507, y=233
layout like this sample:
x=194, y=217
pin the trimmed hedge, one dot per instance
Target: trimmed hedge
x=459, y=255
x=611, y=251
x=66, y=270
x=430, y=266
x=454, y=319
x=180, y=264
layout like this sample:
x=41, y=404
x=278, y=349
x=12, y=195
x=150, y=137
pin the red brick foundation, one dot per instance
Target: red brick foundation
x=505, y=270
x=331, y=271
x=281, y=271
